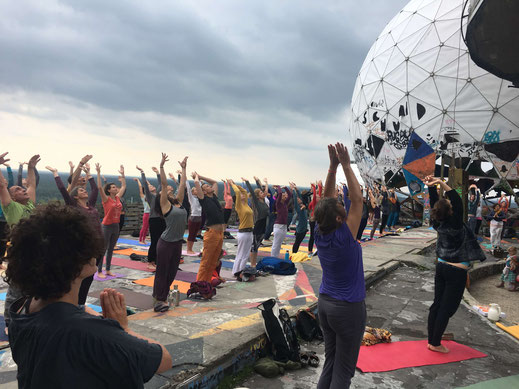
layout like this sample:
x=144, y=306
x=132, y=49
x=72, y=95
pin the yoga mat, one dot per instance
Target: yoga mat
x=186, y=276
x=96, y=277
x=136, y=265
x=512, y=330
x=133, y=299
x=499, y=383
x=131, y=241
x=96, y=308
x=182, y=286
x=226, y=264
x=399, y=355
x=130, y=252
x=2, y=296
x=196, y=254
x=3, y=336
x=285, y=247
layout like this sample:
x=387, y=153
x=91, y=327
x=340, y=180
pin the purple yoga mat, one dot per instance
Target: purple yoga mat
x=185, y=276
x=96, y=277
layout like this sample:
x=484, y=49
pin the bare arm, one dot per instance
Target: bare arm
x=5, y=197
x=199, y=191
x=165, y=205
x=212, y=182
x=183, y=178
x=329, y=184
x=77, y=172
x=122, y=190
x=104, y=197
x=31, y=177
x=141, y=194
x=355, y=194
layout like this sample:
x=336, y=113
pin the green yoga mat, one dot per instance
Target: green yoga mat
x=499, y=383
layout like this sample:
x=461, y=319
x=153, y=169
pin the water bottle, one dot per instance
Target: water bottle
x=287, y=256
x=176, y=295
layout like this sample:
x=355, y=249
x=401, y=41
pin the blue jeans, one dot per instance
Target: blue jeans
x=393, y=217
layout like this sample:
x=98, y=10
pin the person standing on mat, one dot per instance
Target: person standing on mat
x=157, y=223
x=365, y=215
x=143, y=233
x=316, y=196
x=111, y=198
x=169, y=246
x=280, y=226
x=207, y=194
x=302, y=217
x=195, y=218
x=227, y=198
x=342, y=311
x=245, y=236
x=80, y=199
x=453, y=260
x=261, y=214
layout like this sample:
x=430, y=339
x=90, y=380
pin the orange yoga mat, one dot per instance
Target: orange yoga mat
x=398, y=355
x=183, y=287
x=130, y=252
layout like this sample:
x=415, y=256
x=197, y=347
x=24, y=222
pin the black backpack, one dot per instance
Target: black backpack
x=280, y=332
x=307, y=325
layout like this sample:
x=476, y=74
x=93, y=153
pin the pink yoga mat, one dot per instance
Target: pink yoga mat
x=137, y=265
x=96, y=277
x=398, y=355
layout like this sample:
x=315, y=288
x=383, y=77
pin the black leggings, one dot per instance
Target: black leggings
x=363, y=223
x=157, y=227
x=449, y=285
x=299, y=238
x=383, y=222
x=3, y=239
x=311, y=240
x=85, y=285
x=478, y=226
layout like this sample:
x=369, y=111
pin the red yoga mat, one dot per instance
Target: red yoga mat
x=136, y=265
x=398, y=355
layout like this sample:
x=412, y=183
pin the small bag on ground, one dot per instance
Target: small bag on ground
x=307, y=325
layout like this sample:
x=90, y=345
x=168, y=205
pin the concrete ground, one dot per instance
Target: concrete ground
x=209, y=339
x=485, y=292
x=399, y=303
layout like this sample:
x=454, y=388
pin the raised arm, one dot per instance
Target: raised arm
x=175, y=182
x=159, y=184
x=345, y=198
x=255, y=201
x=238, y=193
x=94, y=190
x=19, y=180
x=431, y=182
x=329, y=184
x=144, y=183
x=31, y=177
x=122, y=178
x=355, y=195
x=199, y=191
x=10, y=176
x=77, y=172
x=141, y=193
x=165, y=204
x=212, y=182
x=104, y=197
x=5, y=197
x=61, y=187
x=183, y=179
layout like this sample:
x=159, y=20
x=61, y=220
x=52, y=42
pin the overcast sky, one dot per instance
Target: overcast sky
x=242, y=87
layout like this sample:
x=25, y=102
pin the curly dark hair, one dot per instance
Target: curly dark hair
x=106, y=188
x=325, y=214
x=49, y=249
x=442, y=210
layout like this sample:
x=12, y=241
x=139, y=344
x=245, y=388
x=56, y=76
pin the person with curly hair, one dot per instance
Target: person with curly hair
x=111, y=196
x=54, y=342
x=80, y=199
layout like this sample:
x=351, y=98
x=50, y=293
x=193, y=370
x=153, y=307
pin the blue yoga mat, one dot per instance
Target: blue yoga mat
x=225, y=264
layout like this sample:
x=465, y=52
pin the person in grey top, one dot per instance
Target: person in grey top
x=169, y=246
x=157, y=224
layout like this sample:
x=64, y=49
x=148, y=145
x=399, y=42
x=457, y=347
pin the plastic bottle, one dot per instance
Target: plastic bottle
x=287, y=256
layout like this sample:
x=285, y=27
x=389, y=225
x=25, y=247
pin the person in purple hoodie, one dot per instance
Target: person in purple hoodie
x=342, y=311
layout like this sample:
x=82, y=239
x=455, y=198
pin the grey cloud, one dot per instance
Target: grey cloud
x=174, y=59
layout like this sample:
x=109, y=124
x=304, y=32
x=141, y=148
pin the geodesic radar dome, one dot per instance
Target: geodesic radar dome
x=418, y=95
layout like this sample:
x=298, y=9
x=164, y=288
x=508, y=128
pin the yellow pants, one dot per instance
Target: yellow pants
x=213, y=242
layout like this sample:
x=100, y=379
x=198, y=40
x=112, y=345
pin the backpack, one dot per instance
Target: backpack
x=280, y=332
x=276, y=266
x=307, y=325
x=136, y=233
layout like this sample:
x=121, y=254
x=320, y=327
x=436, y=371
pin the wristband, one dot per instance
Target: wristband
x=332, y=171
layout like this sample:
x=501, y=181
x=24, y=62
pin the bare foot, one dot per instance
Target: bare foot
x=101, y=275
x=151, y=266
x=109, y=273
x=190, y=252
x=440, y=349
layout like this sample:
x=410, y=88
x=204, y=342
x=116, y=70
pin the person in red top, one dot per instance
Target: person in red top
x=316, y=196
x=111, y=197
